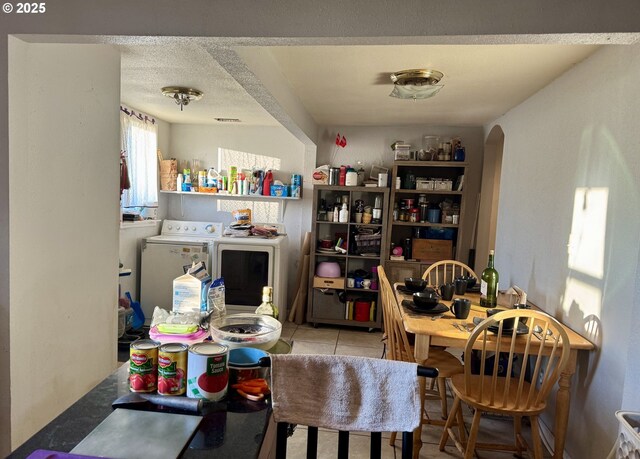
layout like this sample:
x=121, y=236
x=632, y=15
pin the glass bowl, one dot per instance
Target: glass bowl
x=246, y=330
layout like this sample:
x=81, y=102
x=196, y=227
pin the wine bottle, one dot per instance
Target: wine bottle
x=489, y=284
x=267, y=307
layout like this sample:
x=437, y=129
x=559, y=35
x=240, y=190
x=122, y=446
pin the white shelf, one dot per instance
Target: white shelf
x=240, y=197
x=235, y=197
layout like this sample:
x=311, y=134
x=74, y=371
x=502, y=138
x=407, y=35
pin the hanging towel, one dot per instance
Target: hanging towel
x=125, y=184
x=345, y=392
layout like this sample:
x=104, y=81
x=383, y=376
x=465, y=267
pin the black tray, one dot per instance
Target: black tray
x=438, y=309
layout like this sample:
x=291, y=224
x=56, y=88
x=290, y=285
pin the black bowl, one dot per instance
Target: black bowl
x=507, y=324
x=471, y=281
x=415, y=284
x=425, y=300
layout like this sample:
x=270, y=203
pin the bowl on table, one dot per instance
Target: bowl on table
x=425, y=300
x=471, y=281
x=415, y=284
x=246, y=330
x=507, y=324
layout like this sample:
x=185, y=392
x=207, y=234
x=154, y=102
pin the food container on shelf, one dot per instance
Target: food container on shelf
x=246, y=330
x=328, y=269
x=430, y=146
x=423, y=183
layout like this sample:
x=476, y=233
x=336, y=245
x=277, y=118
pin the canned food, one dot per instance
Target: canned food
x=334, y=176
x=172, y=369
x=208, y=371
x=296, y=185
x=143, y=365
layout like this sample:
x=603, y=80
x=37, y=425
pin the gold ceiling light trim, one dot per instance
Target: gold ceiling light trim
x=416, y=83
x=182, y=96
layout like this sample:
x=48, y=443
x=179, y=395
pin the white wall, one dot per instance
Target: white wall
x=202, y=142
x=372, y=145
x=580, y=133
x=64, y=171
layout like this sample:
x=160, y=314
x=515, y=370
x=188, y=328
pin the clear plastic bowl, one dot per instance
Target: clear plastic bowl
x=246, y=330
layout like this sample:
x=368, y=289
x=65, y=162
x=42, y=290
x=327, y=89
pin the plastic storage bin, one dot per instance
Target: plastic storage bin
x=628, y=445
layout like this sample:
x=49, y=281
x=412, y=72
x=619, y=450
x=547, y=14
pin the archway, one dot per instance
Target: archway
x=485, y=235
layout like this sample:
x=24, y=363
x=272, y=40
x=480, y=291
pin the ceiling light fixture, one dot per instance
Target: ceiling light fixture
x=181, y=95
x=416, y=83
x=227, y=120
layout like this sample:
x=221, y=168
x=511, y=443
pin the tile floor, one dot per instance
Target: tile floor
x=356, y=341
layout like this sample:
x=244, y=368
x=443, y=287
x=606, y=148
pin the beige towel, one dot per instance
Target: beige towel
x=345, y=392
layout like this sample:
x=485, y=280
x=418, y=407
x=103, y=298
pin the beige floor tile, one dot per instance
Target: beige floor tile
x=372, y=352
x=360, y=338
x=308, y=347
x=288, y=331
x=316, y=335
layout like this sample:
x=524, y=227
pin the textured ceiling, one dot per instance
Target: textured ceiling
x=349, y=85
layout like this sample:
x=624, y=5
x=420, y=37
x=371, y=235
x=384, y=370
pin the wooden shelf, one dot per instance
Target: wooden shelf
x=431, y=163
x=326, y=307
x=403, y=191
x=400, y=230
x=425, y=224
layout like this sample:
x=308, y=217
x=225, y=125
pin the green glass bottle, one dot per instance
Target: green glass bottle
x=489, y=284
x=267, y=307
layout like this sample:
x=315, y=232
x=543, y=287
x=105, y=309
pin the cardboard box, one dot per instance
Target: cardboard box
x=328, y=282
x=321, y=175
x=431, y=250
x=281, y=191
x=190, y=290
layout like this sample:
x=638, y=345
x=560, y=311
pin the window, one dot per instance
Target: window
x=139, y=142
x=261, y=211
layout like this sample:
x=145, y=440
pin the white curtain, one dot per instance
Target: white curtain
x=139, y=140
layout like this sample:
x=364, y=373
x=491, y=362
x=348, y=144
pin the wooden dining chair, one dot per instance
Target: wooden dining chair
x=510, y=394
x=344, y=393
x=446, y=271
x=401, y=349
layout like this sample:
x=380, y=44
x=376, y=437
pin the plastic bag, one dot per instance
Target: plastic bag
x=215, y=299
x=242, y=216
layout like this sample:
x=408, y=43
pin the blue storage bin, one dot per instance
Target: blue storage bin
x=436, y=232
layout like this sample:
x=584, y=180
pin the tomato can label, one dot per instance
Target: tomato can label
x=208, y=371
x=172, y=369
x=143, y=365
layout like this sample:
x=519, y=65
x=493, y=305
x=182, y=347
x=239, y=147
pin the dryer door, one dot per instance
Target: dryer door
x=246, y=269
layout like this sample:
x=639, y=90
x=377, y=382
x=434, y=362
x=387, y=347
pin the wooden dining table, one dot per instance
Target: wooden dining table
x=448, y=331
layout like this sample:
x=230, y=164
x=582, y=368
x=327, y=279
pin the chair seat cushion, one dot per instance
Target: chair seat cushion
x=501, y=404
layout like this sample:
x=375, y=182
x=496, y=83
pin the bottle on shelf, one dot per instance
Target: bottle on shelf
x=407, y=249
x=377, y=210
x=343, y=176
x=267, y=307
x=489, y=284
x=336, y=213
x=344, y=214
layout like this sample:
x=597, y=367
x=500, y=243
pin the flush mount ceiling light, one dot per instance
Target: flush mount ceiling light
x=416, y=83
x=181, y=95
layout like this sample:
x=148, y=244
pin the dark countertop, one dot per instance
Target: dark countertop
x=230, y=429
